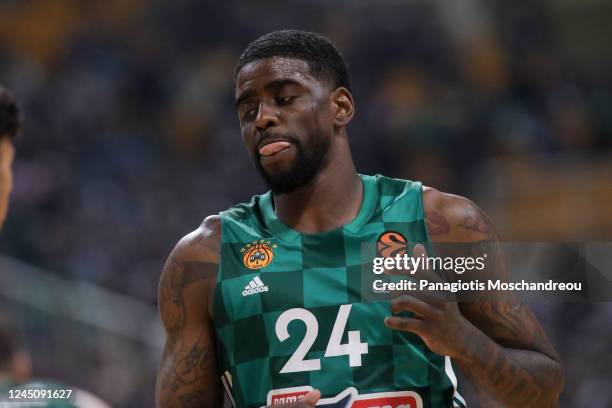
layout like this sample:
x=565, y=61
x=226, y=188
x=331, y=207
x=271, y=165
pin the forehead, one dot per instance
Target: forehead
x=260, y=72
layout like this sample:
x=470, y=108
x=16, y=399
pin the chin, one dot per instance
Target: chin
x=278, y=171
x=278, y=168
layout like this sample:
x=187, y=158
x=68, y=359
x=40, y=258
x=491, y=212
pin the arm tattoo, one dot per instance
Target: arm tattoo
x=197, y=399
x=193, y=366
x=186, y=363
x=436, y=223
x=475, y=220
x=185, y=368
x=169, y=383
x=514, y=361
x=506, y=318
x=175, y=279
x=511, y=324
x=171, y=298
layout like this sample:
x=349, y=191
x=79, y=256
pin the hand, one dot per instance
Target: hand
x=440, y=324
x=306, y=401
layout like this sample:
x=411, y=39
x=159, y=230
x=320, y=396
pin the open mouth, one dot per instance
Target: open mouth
x=274, y=147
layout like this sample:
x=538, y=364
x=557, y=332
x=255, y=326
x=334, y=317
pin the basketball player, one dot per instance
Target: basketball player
x=15, y=361
x=268, y=294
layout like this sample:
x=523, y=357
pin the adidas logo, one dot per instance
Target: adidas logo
x=254, y=286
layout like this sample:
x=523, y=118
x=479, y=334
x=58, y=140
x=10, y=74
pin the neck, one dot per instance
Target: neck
x=332, y=199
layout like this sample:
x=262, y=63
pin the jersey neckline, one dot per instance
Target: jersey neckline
x=286, y=233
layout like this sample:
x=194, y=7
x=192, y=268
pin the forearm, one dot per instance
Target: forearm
x=175, y=391
x=506, y=377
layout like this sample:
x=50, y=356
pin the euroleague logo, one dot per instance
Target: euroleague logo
x=390, y=244
x=258, y=254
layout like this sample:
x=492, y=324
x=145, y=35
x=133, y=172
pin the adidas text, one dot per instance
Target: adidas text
x=254, y=286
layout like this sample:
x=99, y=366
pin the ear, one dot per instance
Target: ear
x=344, y=109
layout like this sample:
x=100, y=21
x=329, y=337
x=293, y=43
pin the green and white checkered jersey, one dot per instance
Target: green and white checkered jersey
x=290, y=315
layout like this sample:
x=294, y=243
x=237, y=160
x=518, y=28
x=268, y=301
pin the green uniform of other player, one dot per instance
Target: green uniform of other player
x=289, y=309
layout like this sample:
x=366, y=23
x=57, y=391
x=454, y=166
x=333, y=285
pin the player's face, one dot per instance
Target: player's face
x=6, y=175
x=286, y=120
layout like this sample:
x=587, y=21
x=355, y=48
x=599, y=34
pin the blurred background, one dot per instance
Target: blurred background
x=130, y=140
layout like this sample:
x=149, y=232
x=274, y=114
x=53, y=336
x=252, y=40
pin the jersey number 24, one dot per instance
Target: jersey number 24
x=297, y=362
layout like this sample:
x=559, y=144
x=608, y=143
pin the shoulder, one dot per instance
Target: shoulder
x=202, y=244
x=453, y=218
x=189, y=275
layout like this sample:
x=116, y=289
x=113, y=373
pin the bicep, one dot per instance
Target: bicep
x=187, y=374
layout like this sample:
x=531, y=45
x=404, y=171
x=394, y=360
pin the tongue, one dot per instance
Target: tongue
x=273, y=148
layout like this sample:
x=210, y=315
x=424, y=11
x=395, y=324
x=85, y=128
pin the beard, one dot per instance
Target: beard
x=308, y=163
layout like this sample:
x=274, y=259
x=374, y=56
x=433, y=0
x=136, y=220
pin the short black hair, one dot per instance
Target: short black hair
x=10, y=115
x=323, y=58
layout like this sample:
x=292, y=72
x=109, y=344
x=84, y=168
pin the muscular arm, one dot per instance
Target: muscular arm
x=187, y=374
x=506, y=354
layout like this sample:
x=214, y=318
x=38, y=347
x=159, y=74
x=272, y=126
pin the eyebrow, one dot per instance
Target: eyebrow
x=273, y=85
x=244, y=96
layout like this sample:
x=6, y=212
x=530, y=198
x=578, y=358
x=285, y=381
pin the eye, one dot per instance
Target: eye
x=285, y=100
x=249, y=113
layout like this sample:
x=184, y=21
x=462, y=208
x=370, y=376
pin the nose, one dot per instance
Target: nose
x=266, y=117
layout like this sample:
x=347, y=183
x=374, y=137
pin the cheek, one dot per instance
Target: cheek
x=248, y=138
x=307, y=115
x=321, y=119
x=324, y=110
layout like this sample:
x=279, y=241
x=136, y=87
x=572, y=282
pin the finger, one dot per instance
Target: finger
x=311, y=398
x=404, y=324
x=417, y=306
